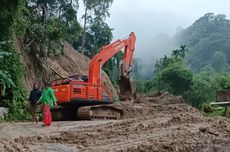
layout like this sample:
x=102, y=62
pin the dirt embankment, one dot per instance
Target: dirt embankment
x=70, y=62
x=151, y=123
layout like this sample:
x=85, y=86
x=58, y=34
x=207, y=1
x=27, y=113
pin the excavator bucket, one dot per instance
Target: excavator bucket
x=127, y=88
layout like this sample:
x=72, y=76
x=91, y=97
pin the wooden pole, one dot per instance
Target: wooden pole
x=226, y=113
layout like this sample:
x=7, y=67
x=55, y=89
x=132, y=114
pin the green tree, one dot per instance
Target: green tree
x=49, y=28
x=180, y=53
x=219, y=62
x=203, y=38
x=98, y=35
x=118, y=59
x=161, y=64
x=137, y=68
x=94, y=10
x=10, y=67
x=175, y=78
x=67, y=10
x=200, y=92
x=113, y=67
x=109, y=69
x=5, y=77
x=8, y=9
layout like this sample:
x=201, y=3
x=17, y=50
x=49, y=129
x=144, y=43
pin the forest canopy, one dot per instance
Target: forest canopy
x=208, y=42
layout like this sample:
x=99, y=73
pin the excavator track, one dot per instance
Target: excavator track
x=99, y=113
x=84, y=113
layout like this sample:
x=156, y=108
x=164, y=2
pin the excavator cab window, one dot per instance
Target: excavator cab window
x=60, y=82
x=85, y=78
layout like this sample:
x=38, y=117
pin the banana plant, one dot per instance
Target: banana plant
x=5, y=78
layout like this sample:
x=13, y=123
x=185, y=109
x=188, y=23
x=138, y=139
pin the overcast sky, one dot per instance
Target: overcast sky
x=148, y=18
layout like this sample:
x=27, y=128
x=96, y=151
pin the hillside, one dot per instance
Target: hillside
x=70, y=62
x=208, y=42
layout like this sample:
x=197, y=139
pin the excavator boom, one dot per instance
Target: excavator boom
x=126, y=84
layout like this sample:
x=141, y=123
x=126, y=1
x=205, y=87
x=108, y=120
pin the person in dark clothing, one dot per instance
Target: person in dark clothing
x=35, y=94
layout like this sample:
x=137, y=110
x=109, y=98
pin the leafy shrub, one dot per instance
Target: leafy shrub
x=175, y=78
x=199, y=92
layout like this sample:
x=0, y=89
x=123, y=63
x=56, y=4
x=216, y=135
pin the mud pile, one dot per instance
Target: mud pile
x=70, y=62
x=145, y=106
x=151, y=123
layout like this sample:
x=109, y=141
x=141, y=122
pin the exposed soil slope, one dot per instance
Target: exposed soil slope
x=70, y=62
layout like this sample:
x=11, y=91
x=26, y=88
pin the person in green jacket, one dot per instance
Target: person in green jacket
x=47, y=100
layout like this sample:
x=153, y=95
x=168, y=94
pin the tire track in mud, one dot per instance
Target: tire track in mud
x=150, y=124
x=116, y=135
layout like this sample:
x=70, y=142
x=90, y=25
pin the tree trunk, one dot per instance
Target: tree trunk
x=226, y=113
x=44, y=12
x=84, y=30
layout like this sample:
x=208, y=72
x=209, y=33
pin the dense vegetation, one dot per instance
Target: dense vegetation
x=12, y=93
x=198, y=69
x=43, y=26
x=172, y=75
x=208, y=41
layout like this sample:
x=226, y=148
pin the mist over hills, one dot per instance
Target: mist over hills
x=207, y=40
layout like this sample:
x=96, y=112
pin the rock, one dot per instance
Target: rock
x=3, y=110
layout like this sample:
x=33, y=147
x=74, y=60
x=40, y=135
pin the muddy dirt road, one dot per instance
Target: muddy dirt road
x=160, y=123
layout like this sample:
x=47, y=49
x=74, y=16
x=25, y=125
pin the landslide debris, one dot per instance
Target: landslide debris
x=162, y=122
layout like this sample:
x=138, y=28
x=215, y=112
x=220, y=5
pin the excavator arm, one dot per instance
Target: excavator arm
x=108, y=52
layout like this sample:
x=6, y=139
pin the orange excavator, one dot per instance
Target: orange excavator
x=84, y=97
